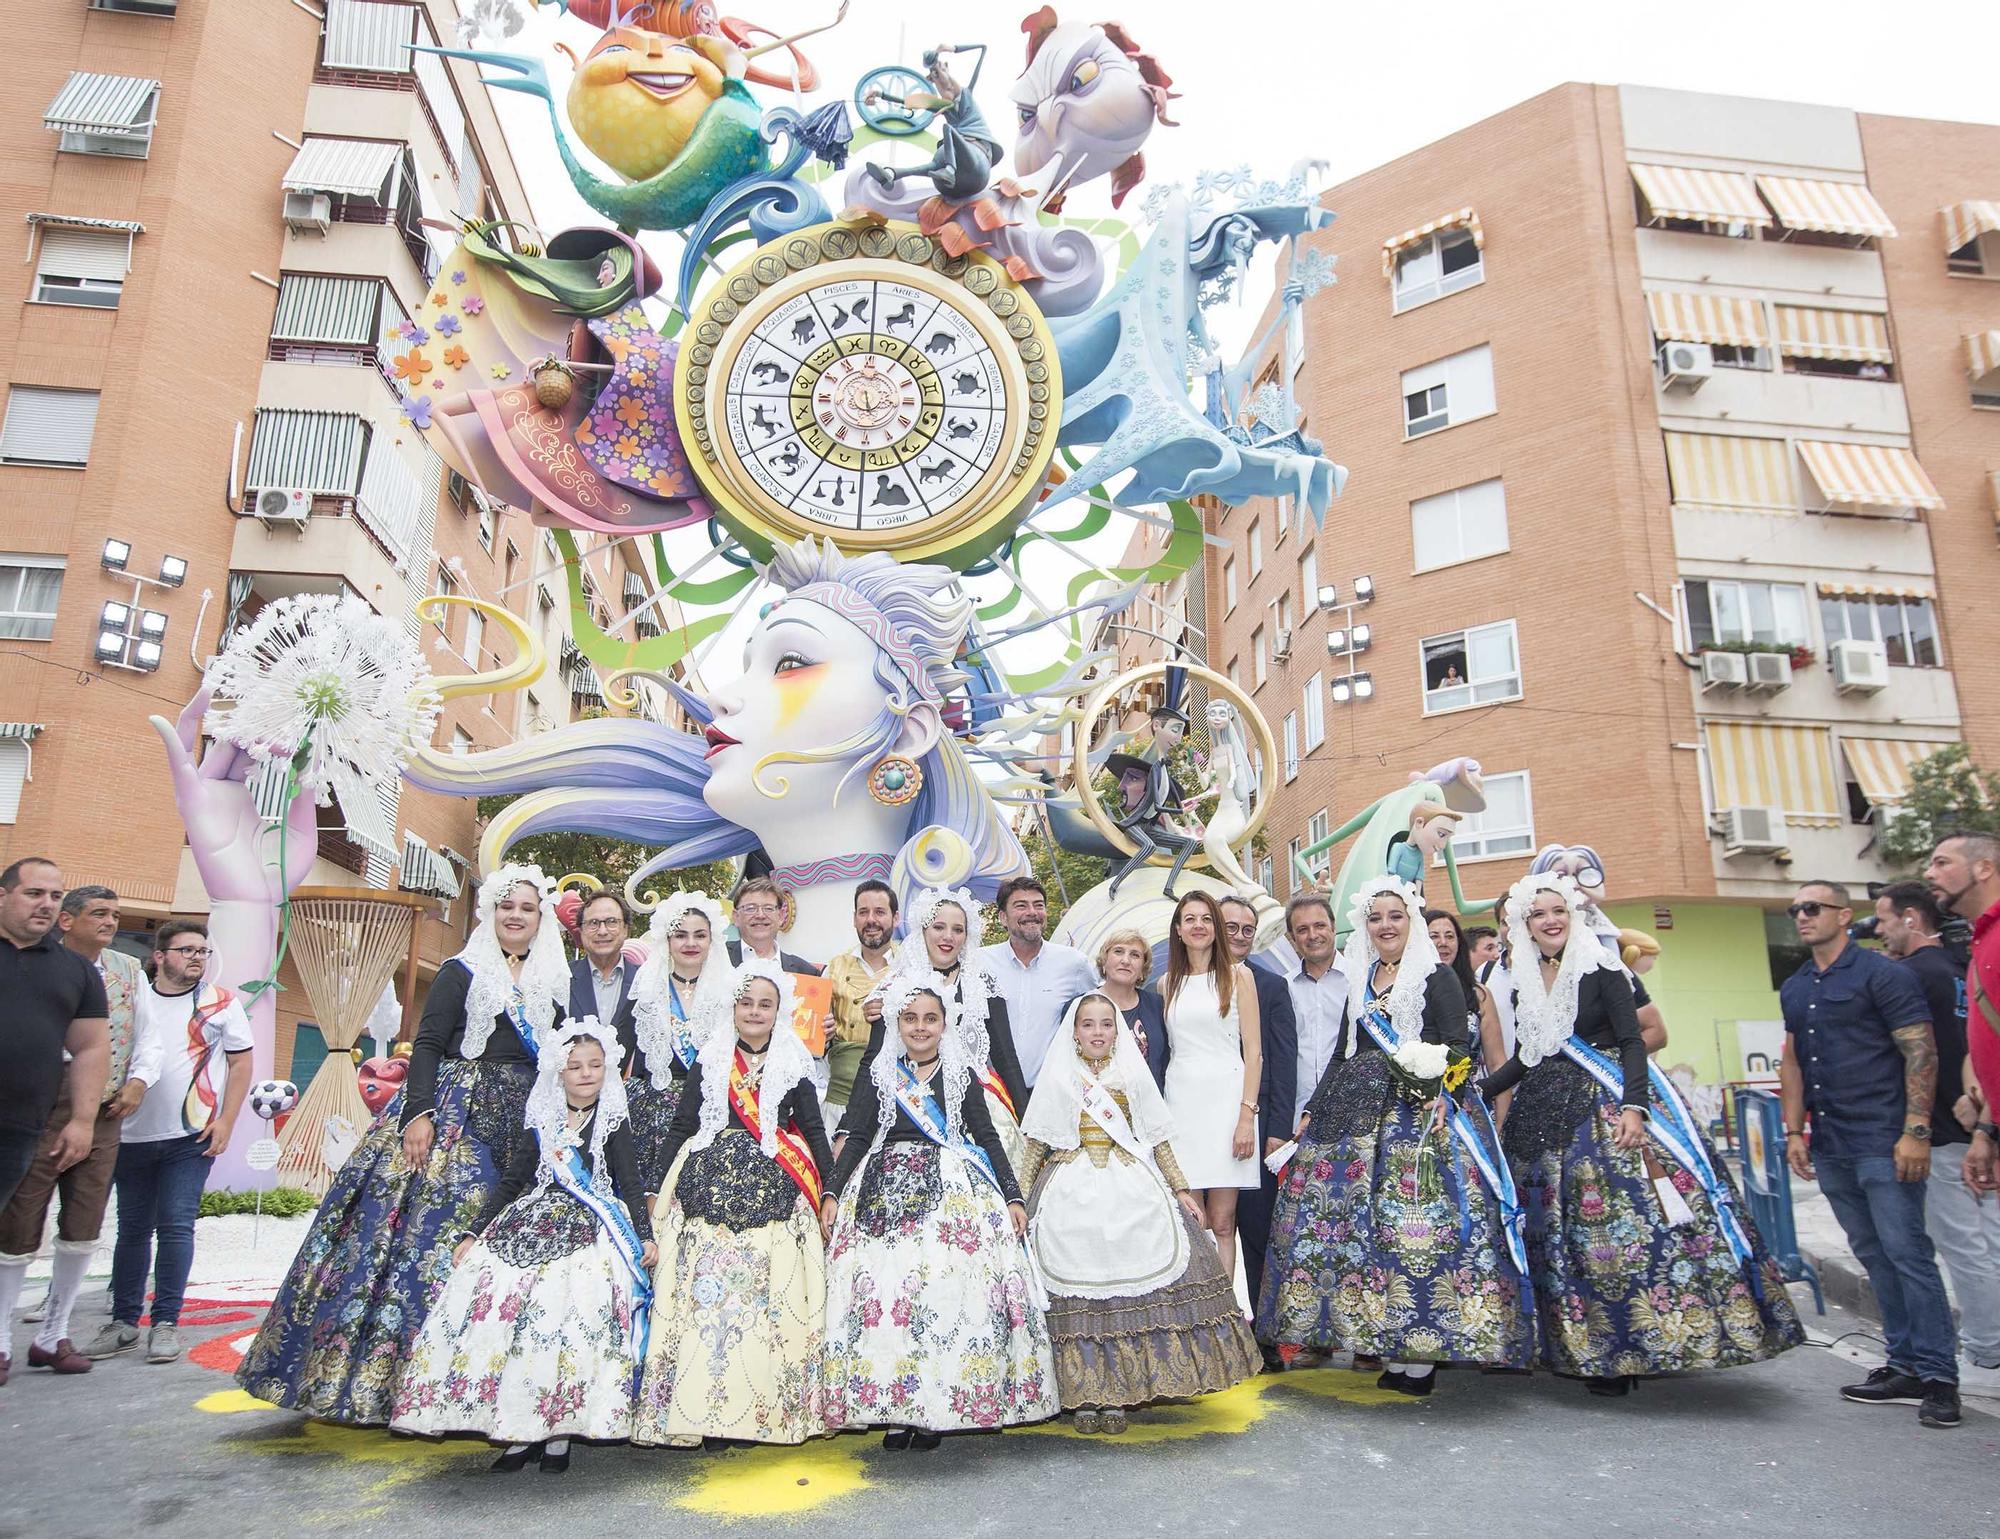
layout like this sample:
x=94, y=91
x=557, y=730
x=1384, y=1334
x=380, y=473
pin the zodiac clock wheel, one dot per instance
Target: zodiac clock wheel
x=859, y=382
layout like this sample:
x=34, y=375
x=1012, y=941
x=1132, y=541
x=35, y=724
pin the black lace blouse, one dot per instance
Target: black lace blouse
x=619, y=1158
x=441, y=1035
x=863, y=1115
x=1607, y=1017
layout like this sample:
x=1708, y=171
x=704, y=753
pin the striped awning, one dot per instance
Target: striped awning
x=1966, y=222
x=354, y=168
x=1710, y=470
x=312, y=308
x=393, y=494
x=1464, y=219
x=366, y=35
x=1982, y=353
x=102, y=104
x=1854, y=335
x=80, y=222
x=270, y=788
x=1872, y=591
x=424, y=870
x=315, y=451
x=1758, y=764
x=1834, y=208
x=1881, y=765
x=1710, y=318
x=19, y=731
x=1714, y=197
x=1868, y=475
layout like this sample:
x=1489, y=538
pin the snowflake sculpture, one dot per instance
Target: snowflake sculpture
x=328, y=687
x=1271, y=408
x=494, y=19
x=1312, y=270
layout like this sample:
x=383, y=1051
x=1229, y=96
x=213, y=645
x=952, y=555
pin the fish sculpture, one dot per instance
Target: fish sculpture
x=1087, y=101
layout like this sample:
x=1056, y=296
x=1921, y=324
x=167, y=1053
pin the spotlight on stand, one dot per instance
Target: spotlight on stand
x=146, y=656
x=173, y=571
x=110, y=646
x=1328, y=596
x=1336, y=642
x=1364, y=687
x=116, y=616
x=1342, y=691
x=152, y=624
x=1364, y=589
x=116, y=554
x=1360, y=638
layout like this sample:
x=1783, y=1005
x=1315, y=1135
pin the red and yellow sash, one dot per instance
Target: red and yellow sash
x=793, y=1157
x=997, y=1088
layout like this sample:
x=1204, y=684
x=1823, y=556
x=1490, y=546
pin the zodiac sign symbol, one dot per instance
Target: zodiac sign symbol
x=767, y=373
x=905, y=317
x=965, y=382
x=759, y=420
x=889, y=495
x=958, y=427
x=858, y=312
x=937, y=470
x=803, y=329
x=838, y=499
x=788, y=458
x=940, y=343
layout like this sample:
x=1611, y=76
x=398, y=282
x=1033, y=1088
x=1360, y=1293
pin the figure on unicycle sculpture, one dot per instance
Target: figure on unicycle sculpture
x=967, y=150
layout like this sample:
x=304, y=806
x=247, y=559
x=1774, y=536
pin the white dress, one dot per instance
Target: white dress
x=1205, y=1087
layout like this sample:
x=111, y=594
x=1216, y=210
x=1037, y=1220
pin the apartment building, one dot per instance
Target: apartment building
x=1671, y=503
x=223, y=222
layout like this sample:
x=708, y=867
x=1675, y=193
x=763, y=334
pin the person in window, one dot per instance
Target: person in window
x=1451, y=677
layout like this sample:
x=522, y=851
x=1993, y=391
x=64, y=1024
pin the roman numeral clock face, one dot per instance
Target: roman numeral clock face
x=858, y=383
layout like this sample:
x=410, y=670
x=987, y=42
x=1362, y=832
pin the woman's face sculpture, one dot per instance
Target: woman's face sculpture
x=1220, y=716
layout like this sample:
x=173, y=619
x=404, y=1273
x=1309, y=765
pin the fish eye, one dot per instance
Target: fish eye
x=1084, y=74
x=1027, y=116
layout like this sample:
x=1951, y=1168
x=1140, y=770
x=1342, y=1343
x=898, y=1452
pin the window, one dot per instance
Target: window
x=1906, y=627
x=513, y=565
x=29, y=588
x=1314, y=709
x=443, y=588
x=82, y=267
x=1448, y=392
x=1506, y=827
x=1316, y=828
x=461, y=741
x=1729, y=356
x=475, y=636
x=105, y=115
x=1308, y=579
x=1968, y=259
x=15, y=764
x=1256, y=547
x=48, y=427
x=1282, y=608
x=1260, y=661
x=485, y=524
x=1294, y=851
x=317, y=452
x=1845, y=344
x=1460, y=525
x=1291, y=745
x=320, y=319
x=1266, y=873
x=1437, y=265
x=1725, y=611
x=1229, y=585
x=1236, y=671
x=1477, y=666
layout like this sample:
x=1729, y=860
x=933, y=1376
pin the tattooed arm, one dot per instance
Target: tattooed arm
x=1919, y=1049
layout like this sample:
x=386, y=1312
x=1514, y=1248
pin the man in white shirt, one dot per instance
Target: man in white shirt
x=1319, y=993
x=1036, y=977
x=194, y=1038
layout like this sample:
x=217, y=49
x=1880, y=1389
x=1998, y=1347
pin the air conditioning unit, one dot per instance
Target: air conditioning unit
x=1686, y=365
x=1281, y=646
x=308, y=211
x=1723, y=670
x=276, y=505
x=1752, y=830
x=1859, y=667
x=1769, y=672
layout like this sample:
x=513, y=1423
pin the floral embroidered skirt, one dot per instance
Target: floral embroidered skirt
x=1618, y=1290
x=1386, y=1240
x=931, y=1321
x=650, y=1110
x=533, y=1336
x=1153, y=1337
x=739, y=1327
x=379, y=1250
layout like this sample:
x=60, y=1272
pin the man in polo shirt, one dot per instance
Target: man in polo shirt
x=1861, y=1061
x=1036, y=977
x=55, y=1005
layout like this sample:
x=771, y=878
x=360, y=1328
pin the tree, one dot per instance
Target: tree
x=611, y=861
x=1947, y=791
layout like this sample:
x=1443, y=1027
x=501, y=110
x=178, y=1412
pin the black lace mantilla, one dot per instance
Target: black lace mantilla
x=1550, y=1104
x=900, y=1187
x=541, y=1227
x=733, y=1183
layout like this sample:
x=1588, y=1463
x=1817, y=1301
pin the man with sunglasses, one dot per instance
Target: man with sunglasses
x=196, y=1038
x=1860, y=1060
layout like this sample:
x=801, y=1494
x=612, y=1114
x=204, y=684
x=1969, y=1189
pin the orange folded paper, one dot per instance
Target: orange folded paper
x=814, y=1001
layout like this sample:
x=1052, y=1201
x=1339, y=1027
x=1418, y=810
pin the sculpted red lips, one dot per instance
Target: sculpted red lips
x=717, y=740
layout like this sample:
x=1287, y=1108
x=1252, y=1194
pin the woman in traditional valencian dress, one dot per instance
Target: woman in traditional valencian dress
x=739, y=1329
x=1644, y=1261
x=538, y=1336
x=949, y=921
x=379, y=1250
x=1214, y=1068
x=685, y=973
x=1139, y=1306
x=1393, y=1235
x=934, y=1322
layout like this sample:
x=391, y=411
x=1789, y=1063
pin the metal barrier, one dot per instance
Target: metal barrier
x=1767, y=1184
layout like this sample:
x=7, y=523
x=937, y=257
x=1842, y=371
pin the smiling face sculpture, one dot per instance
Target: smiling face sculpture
x=1084, y=105
x=638, y=97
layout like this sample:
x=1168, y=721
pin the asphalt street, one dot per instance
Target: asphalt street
x=1771, y=1451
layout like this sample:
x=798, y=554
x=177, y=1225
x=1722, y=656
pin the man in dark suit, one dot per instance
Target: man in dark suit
x=760, y=910
x=600, y=981
x=1280, y=1041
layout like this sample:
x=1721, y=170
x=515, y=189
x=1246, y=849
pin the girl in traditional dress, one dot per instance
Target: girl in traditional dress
x=934, y=1322
x=1215, y=1047
x=1139, y=1306
x=739, y=1332
x=538, y=1336
x=1644, y=1261
x=949, y=921
x=1392, y=1233
x=685, y=973
x=379, y=1250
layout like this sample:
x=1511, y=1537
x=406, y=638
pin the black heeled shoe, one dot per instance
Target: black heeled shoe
x=1393, y=1380
x=900, y=1438
x=1613, y=1386
x=924, y=1442
x=511, y=1462
x=555, y=1464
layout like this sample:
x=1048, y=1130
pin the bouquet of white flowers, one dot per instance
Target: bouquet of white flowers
x=1423, y=1068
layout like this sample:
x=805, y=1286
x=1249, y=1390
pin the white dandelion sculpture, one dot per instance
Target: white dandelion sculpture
x=326, y=696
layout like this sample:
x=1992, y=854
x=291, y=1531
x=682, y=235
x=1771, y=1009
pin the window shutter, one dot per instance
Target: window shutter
x=318, y=451
x=361, y=34
x=13, y=775
x=340, y=311
x=103, y=255
x=48, y=427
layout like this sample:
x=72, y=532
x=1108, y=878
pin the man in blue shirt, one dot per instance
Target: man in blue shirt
x=1275, y=1095
x=1860, y=1060
x=1036, y=977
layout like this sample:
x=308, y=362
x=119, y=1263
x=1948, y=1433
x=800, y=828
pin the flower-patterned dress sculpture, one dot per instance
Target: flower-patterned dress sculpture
x=1643, y=1259
x=934, y=1321
x=1391, y=1234
x=539, y=1334
x=739, y=1332
x=1139, y=1306
x=379, y=1250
